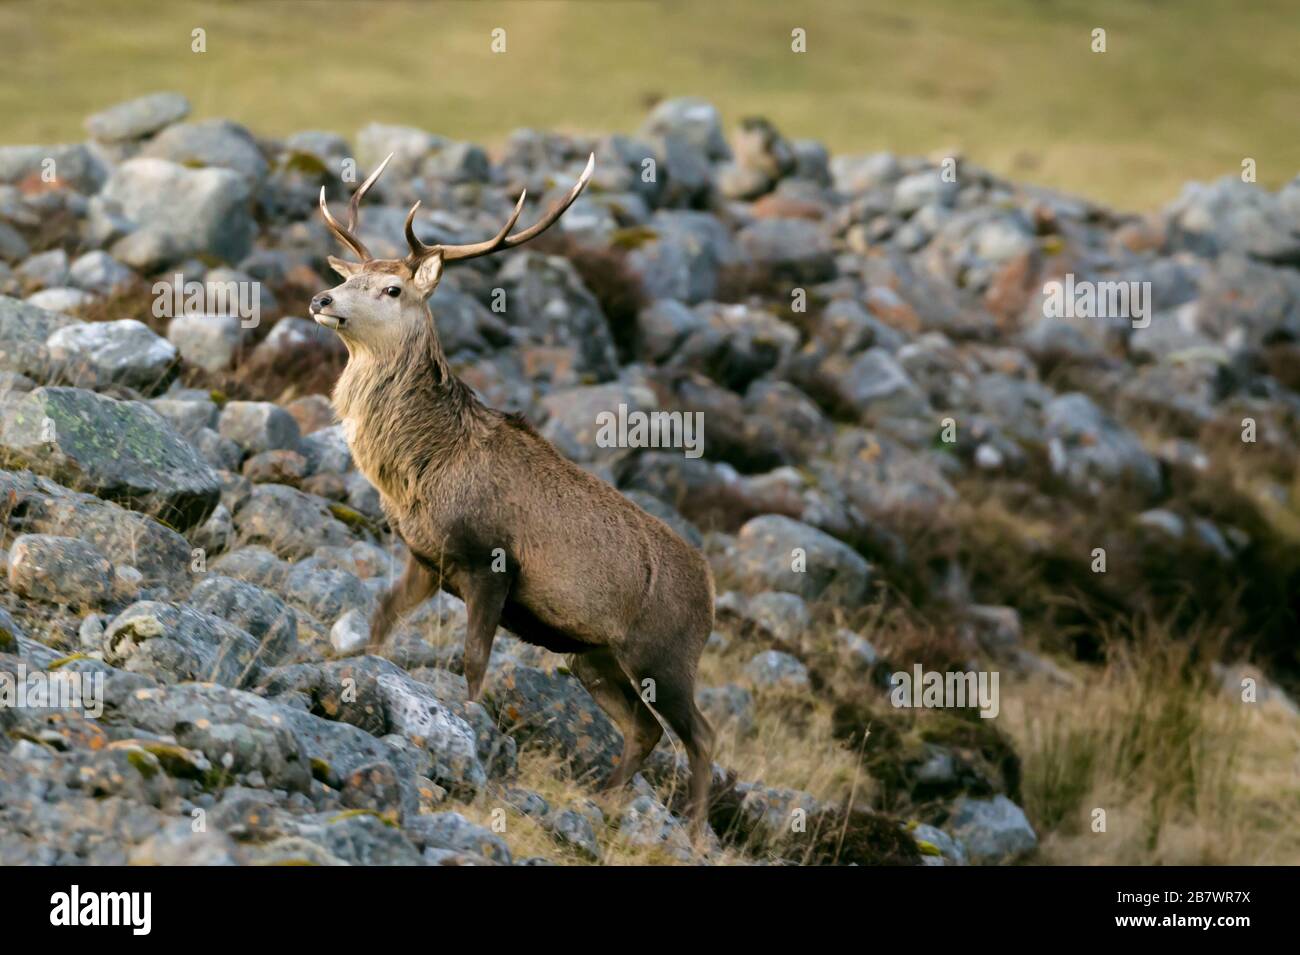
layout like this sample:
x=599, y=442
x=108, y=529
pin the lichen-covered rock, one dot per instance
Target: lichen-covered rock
x=381, y=699
x=937, y=847
x=735, y=344
x=792, y=250
x=556, y=710
x=98, y=272
x=873, y=386
x=239, y=733
x=10, y=631
x=187, y=416
x=574, y=418
x=775, y=815
x=214, y=535
x=408, y=144
x=693, y=119
x=276, y=467
x=120, y=450
x=361, y=838
x=70, y=301
x=45, y=269
x=313, y=413
x=679, y=255
x=326, y=450
x=361, y=559
x=221, y=453
x=775, y=616
x=878, y=474
x=415, y=711
x=1230, y=214
x=13, y=246
x=257, y=565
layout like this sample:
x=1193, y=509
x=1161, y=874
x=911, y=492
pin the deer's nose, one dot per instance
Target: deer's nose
x=321, y=302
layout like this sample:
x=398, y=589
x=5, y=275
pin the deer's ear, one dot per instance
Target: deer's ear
x=343, y=267
x=428, y=273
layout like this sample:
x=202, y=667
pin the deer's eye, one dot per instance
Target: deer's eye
x=393, y=291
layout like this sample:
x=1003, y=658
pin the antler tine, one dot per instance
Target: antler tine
x=419, y=250
x=502, y=240
x=348, y=235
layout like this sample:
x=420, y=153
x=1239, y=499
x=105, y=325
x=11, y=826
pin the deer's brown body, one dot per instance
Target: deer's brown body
x=492, y=513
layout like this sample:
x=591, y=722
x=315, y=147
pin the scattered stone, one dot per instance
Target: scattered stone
x=59, y=570
x=137, y=118
x=350, y=633
x=258, y=426
x=451, y=830
x=211, y=342
x=992, y=831
x=99, y=273
x=289, y=522
x=195, y=211
x=728, y=707
x=172, y=642
x=784, y=554
x=648, y=823
x=276, y=467
x=774, y=669
x=210, y=143
x=99, y=354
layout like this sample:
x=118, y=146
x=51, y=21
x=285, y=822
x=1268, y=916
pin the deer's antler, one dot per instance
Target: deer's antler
x=348, y=235
x=503, y=239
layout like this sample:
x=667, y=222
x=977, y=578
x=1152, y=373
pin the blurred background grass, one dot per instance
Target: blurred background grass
x=1187, y=89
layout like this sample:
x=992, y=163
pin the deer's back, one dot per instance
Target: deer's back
x=586, y=560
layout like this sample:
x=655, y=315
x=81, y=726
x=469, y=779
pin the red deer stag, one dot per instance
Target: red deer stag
x=491, y=512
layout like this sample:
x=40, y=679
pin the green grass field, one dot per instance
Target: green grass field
x=1186, y=89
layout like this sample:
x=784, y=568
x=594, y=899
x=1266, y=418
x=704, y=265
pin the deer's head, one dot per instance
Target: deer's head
x=380, y=298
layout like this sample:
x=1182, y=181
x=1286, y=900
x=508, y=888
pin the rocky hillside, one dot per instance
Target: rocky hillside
x=917, y=451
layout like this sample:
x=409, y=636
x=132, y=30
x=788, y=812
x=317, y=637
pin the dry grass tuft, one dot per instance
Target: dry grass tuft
x=1185, y=774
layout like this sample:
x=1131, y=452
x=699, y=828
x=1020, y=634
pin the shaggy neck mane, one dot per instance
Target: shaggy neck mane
x=404, y=410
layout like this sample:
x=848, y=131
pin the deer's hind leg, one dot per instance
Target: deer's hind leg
x=614, y=693
x=673, y=680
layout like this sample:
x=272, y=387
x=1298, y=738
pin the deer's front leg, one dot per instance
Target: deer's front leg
x=416, y=584
x=484, y=595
